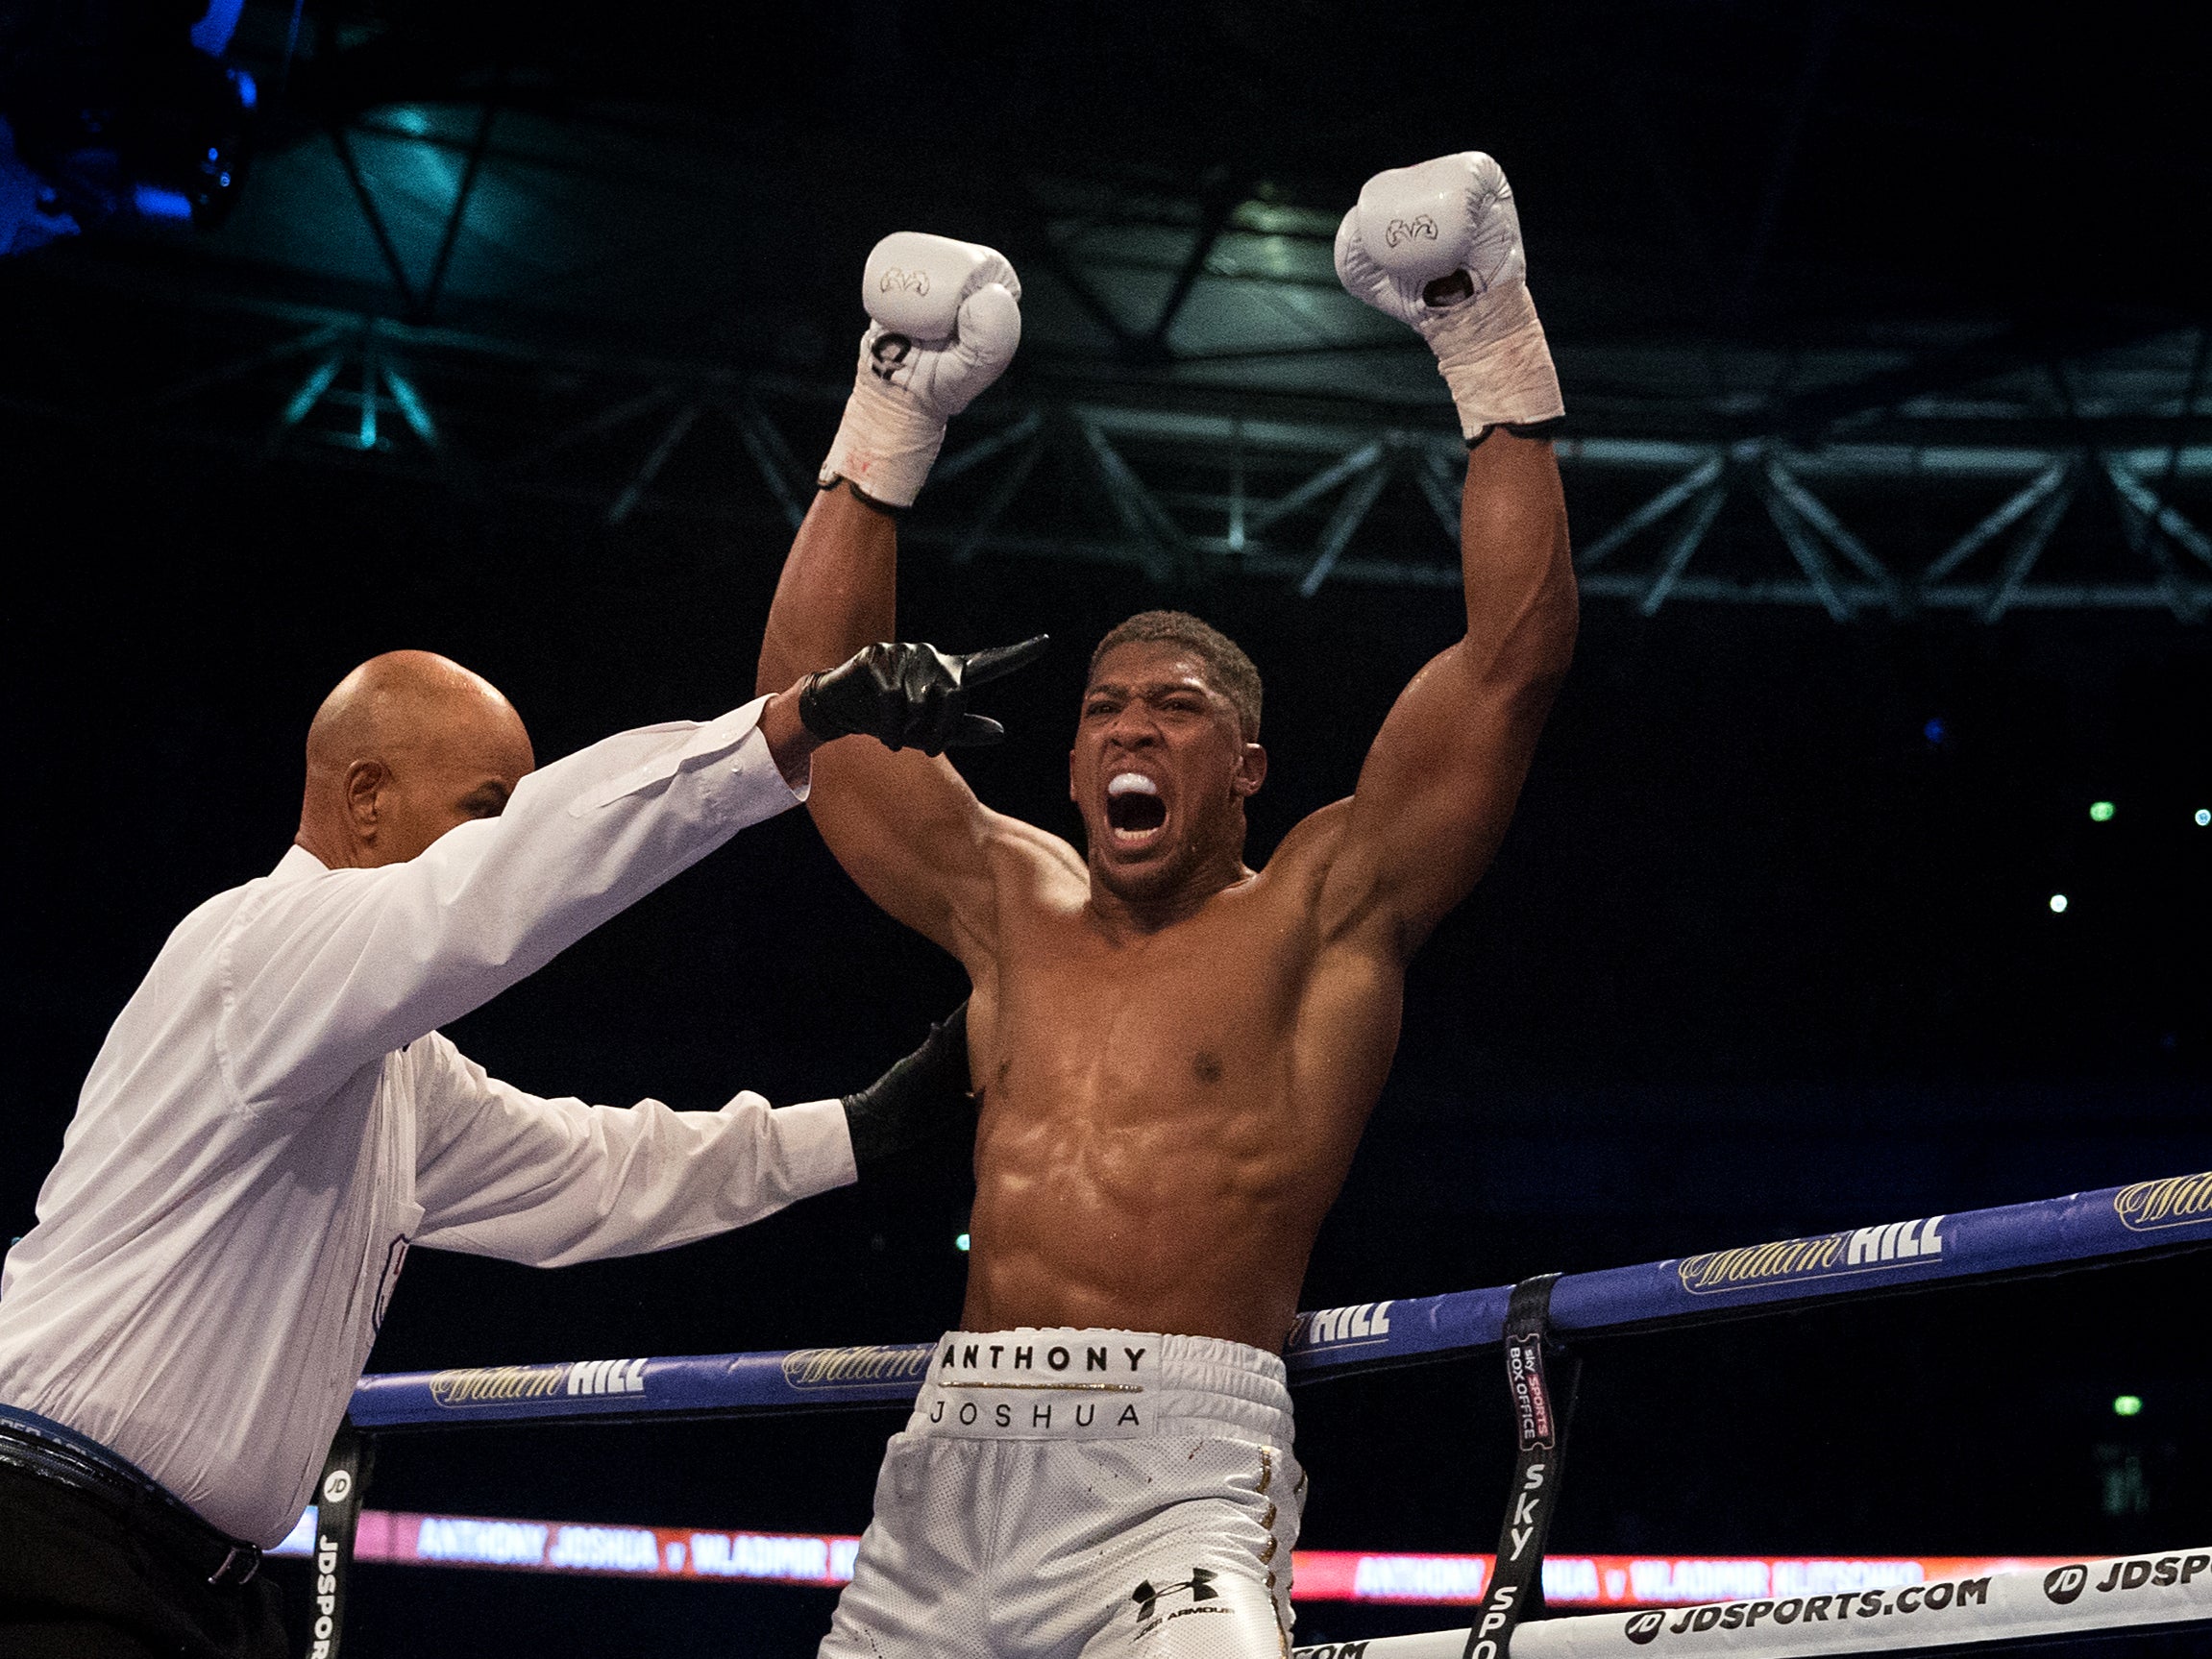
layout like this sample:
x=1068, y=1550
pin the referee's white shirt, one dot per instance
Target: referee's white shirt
x=274, y=1118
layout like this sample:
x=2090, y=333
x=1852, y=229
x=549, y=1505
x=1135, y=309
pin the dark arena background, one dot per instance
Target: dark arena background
x=1865, y=870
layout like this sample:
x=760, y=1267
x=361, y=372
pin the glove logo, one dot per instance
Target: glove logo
x=1406, y=230
x=915, y=283
x=889, y=351
x=1644, y=1628
x=338, y=1486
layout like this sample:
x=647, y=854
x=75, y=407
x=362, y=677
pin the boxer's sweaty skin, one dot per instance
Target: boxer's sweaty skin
x=1176, y=1055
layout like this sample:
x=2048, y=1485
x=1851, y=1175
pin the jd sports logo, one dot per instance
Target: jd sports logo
x=1200, y=1585
x=1644, y=1627
x=2065, y=1584
x=915, y=283
x=1406, y=230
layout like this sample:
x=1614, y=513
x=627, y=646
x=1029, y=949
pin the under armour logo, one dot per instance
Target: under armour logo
x=917, y=283
x=1406, y=230
x=1200, y=1585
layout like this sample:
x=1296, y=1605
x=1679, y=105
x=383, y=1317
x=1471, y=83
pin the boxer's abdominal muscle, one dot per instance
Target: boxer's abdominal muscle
x=1166, y=1121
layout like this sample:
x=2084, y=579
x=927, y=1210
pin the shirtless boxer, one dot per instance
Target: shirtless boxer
x=1175, y=1054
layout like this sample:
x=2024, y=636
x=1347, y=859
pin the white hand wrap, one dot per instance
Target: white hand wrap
x=1438, y=247
x=946, y=320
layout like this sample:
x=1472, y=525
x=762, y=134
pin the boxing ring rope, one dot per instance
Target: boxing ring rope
x=2079, y=1231
x=2057, y=1234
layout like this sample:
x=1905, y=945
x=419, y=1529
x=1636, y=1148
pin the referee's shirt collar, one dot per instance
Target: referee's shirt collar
x=297, y=863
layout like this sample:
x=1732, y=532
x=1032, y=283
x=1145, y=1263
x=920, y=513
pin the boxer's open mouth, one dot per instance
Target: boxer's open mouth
x=1134, y=808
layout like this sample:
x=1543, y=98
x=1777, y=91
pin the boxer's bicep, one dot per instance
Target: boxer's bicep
x=1440, y=782
x=910, y=832
x=1436, y=795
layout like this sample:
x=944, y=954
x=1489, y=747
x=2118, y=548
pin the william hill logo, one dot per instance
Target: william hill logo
x=495, y=1384
x=498, y=1384
x=856, y=1367
x=2178, y=1201
x=1859, y=1250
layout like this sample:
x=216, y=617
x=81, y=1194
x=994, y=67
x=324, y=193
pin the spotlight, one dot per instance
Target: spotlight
x=961, y=1243
x=1935, y=731
x=2058, y=904
x=121, y=111
x=2100, y=812
x=2126, y=1406
x=2201, y=817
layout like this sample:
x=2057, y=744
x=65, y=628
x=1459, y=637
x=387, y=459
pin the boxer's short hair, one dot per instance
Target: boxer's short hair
x=1226, y=664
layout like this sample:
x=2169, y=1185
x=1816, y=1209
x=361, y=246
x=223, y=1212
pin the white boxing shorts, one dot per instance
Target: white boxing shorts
x=1064, y=1494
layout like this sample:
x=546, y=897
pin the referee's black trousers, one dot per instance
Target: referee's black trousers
x=76, y=1582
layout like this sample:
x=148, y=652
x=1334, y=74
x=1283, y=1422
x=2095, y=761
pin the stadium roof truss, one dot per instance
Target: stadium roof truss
x=442, y=292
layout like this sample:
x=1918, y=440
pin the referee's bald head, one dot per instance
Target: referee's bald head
x=409, y=746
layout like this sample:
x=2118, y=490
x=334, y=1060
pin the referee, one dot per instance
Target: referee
x=275, y=1118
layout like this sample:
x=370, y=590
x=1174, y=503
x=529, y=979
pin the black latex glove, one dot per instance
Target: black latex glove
x=910, y=695
x=923, y=1097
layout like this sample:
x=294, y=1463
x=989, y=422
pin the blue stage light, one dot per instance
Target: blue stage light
x=1935, y=731
x=153, y=201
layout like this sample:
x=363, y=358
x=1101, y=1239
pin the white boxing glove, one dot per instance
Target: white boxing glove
x=1438, y=247
x=947, y=318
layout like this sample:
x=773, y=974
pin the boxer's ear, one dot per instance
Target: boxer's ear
x=1251, y=770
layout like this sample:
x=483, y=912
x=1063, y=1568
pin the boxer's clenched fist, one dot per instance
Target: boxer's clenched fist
x=1438, y=247
x=946, y=320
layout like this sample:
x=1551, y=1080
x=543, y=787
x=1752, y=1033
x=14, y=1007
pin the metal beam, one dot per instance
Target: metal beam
x=634, y=492
x=1678, y=553
x=1212, y=217
x=771, y=458
x=1359, y=460
x=1135, y=505
x=1001, y=496
x=309, y=393
x=393, y=267
x=478, y=148
x=1651, y=512
x=2139, y=496
x=2029, y=343
x=984, y=448
x=2034, y=536
x=1351, y=512
x=2003, y=518
x=1803, y=549
x=244, y=366
x=596, y=426
x=1429, y=473
x=1815, y=512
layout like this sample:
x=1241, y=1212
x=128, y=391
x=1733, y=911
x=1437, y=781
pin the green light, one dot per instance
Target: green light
x=2099, y=812
x=2126, y=1406
x=961, y=1243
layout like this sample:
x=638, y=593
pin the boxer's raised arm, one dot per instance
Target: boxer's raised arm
x=1440, y=783
x=1438, y=247
x=904, y=824
x=944, y=321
